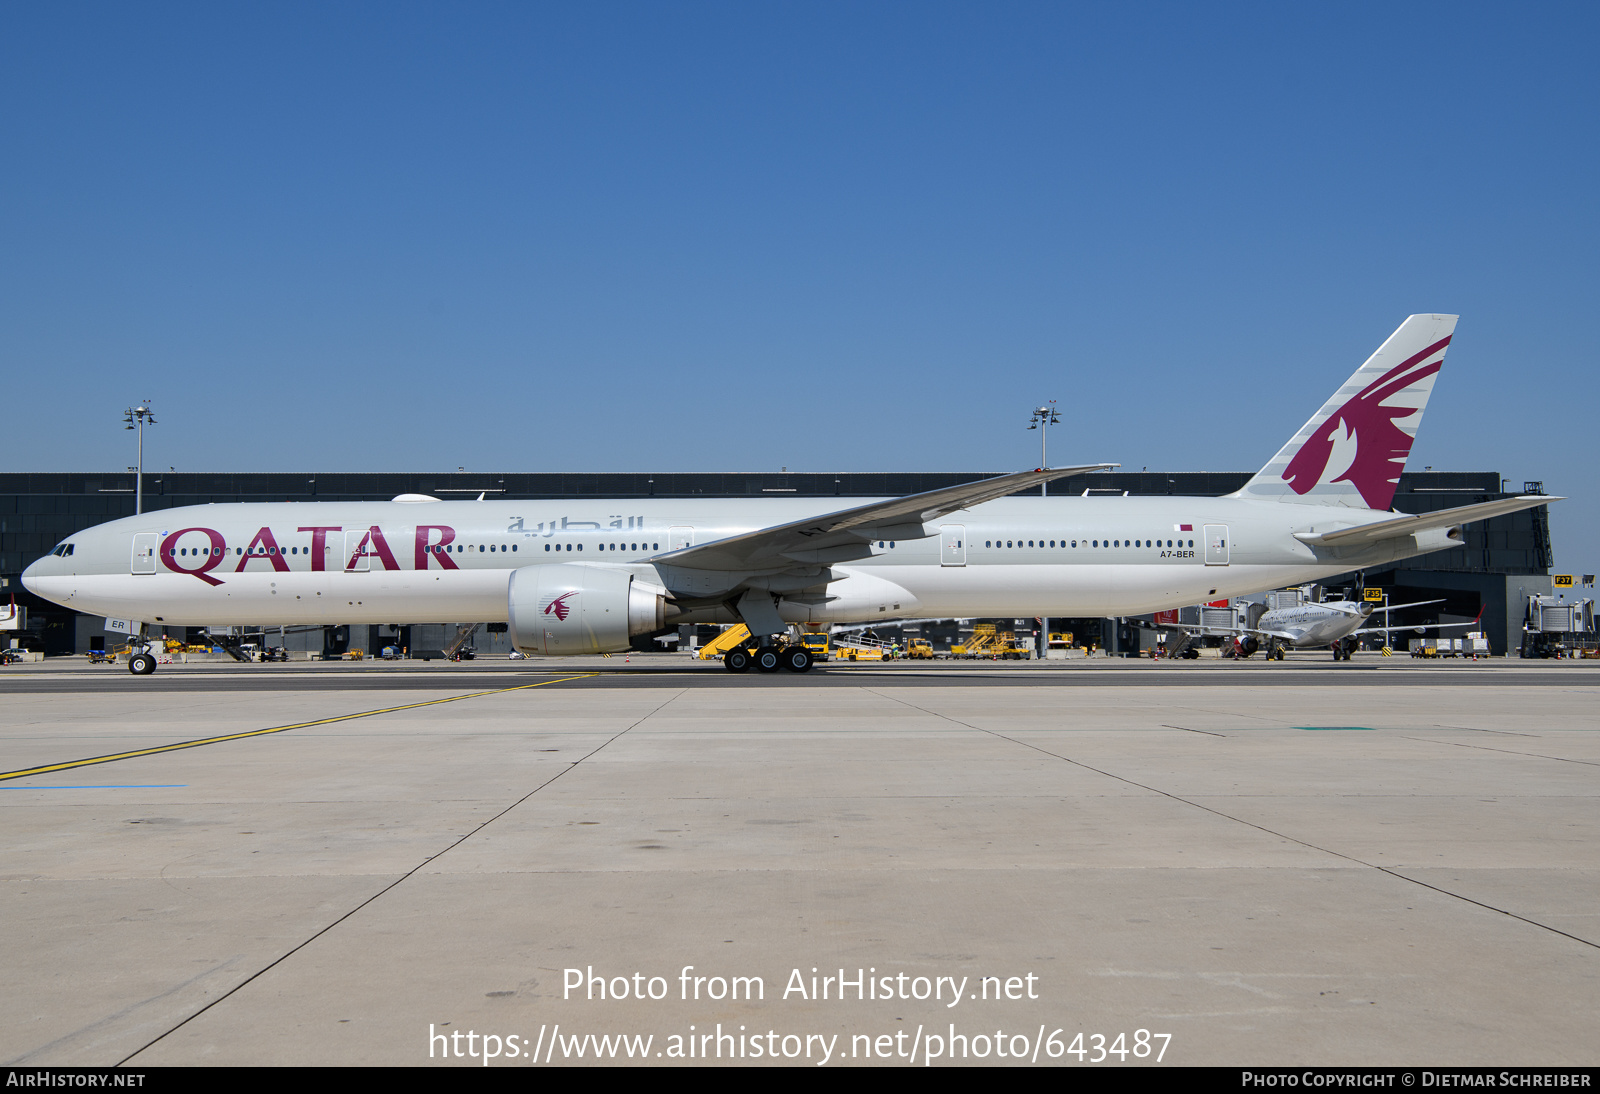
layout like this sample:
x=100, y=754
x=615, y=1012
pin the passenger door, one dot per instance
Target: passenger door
x=144, y=553
x=952, y=545
x=1216, y=544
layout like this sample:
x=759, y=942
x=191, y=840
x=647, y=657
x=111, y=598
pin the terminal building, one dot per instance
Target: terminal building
x=1504, y=561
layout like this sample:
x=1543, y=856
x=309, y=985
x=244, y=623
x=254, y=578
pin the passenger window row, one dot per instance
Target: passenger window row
x=452, y=548
x=606, y=546
x=458, y=548
x=1004, y=543
x=183, y=552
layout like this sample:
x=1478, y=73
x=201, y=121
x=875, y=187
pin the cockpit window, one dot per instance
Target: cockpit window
x=63, y=550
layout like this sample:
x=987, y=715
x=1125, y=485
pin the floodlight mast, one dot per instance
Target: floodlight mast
x=1043, y=418
x=136, y=417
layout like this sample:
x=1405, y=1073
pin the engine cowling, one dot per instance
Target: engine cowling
x=1438, y=539
x=568, y=609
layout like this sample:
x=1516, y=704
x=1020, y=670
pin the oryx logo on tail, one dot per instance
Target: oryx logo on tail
x=1367, y=422
x=1352, y=451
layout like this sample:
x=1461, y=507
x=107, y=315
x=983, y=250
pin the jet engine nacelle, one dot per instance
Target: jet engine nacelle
x=1438, y=539
x=564, y=609
x=858, y=596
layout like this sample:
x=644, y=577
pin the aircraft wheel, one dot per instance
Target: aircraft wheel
x=796, y=659
x=736, y=660
x=768, y=659
x=141, y=664
x=1278, y=654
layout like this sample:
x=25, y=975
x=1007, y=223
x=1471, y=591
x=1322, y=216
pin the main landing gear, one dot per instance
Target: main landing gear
x=767, y=659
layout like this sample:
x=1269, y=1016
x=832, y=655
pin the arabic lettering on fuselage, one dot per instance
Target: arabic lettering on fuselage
x=550, y=528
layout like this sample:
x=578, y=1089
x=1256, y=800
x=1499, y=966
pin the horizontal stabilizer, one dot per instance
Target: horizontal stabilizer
x=1363, y=534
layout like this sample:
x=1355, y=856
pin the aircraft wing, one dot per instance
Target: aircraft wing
x=844, y=535
x=1405, y=526
x=1413, y=604
x=1424, y=627
x=1195, y=628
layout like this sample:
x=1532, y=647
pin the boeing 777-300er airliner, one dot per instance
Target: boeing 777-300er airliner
x=574, y=577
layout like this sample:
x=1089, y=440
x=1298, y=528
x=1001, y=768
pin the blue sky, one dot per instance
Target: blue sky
x=822, y=236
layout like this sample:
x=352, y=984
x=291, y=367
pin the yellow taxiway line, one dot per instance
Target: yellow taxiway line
x=68, y=765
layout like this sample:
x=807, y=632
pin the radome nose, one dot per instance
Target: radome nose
x=30, y=576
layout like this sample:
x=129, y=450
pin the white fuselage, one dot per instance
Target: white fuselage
x=1315, y=624
x=432, y=562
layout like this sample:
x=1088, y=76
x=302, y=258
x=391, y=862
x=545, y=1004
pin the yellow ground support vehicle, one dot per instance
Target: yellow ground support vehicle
x=987, y=641
x=726, y=641
x=816, y=644
x=864, y=647
x=863, y=653
x=920, y=649
x=739, y=652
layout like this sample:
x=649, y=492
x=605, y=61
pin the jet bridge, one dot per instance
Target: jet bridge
x=1554, y=627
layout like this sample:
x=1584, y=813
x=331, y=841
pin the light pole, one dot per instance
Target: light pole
x=136, y=417
x=1043, y=418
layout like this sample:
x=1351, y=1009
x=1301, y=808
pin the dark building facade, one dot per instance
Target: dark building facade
x=1502, y=557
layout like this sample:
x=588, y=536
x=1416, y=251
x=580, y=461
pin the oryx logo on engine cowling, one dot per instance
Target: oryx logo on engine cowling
x=558, y=606
x=1365, y=422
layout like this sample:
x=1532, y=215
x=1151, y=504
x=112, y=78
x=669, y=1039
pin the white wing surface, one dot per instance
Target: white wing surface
x=841, y=536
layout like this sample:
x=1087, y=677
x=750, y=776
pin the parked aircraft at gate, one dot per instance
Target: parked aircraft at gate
x=586, y=576
x=1327, y=624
